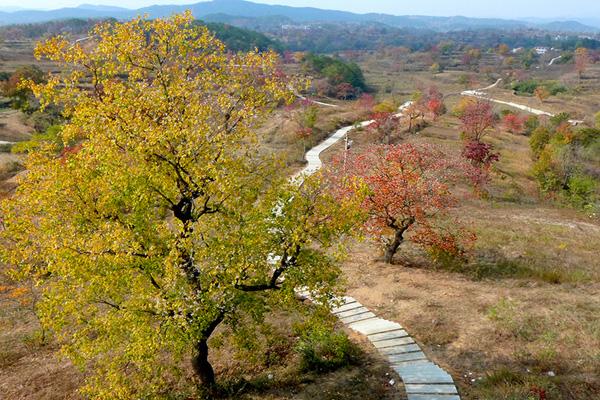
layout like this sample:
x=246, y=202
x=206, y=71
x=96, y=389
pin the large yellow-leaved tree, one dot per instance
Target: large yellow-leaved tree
x=160, y=220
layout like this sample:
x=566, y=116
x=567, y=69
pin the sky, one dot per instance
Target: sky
x=469, y=8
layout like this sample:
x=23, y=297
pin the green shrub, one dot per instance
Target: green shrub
x=336, y=71
x=525, y=87
x=559, y=118
x=555, y=88
x=5, y=147
x=582, y=190
x=531, y=124
x=538, y=140
x=323, y=350
x=528, y=87
x=547, y=172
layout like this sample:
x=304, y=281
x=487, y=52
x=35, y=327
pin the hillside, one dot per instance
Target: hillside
x=153, y=245
x=242, y=8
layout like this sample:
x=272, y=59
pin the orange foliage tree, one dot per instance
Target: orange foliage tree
x=407, y=196
x=541, y=93
x=385, y=122
x=435, y=102
x=514, y=123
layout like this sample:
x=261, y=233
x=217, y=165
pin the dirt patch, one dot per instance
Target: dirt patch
x=12, y=128
x=30, y=370
x=475, y=327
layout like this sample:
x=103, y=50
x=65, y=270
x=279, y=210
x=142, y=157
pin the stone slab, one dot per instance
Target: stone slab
x=423, y=373
x=388, y=335
x=346, y=307
x=358, y=317
x=430, y=368
x=426, y=379
x=409, y=348
x=375, y=326
x=346, y=300
x=430, y=389
x=393, y=342
x=401, y=358
x=349, y=313
x=433, y=397
x=420, y=361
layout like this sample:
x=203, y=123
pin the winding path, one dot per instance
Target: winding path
x=315, y=101
x=423, y=379
x=555, y=59
x=480, y=94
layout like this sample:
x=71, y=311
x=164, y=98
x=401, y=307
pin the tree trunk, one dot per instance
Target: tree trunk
x=392, y=247
x=202, y=366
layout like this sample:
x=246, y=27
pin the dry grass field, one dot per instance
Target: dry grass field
x=523, y=313
x=33, y=370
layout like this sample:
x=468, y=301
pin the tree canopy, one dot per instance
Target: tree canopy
x=159, y=219
x=335, y=70
x=408, y=196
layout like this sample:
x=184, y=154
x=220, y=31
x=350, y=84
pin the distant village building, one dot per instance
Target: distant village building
x=289, y=27
x=541, y=50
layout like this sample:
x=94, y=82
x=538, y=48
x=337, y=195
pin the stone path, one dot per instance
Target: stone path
x=298, y=95
x=313, y=155
x=423, y=379
x=480, y=93
x=555, y=59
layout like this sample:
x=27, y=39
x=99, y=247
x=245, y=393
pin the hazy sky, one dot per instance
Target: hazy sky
x=471, y=8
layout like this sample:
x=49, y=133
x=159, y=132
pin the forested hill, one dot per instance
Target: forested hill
x=236, y=39
x=240, y=39
x=241, y=8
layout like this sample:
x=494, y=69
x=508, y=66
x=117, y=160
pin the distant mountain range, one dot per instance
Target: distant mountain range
x=232, y=9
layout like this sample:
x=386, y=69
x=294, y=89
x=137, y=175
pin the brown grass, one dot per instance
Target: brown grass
x=525, y=307
x=12, y=127
x=33, y=370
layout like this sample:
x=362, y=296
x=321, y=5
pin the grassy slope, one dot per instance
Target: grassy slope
x=526, y=307
x=34, y=371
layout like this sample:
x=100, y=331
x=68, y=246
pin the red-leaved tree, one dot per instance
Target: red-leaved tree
x=435, y=102
x=407, y=196
x=514, y=123
x=385, y=124
x=480, y=155
x=478, y=119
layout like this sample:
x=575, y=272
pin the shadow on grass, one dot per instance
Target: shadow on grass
x=365, y=378
x=506, y=379
x=492, y=264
